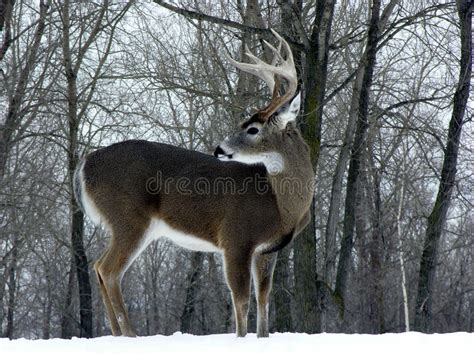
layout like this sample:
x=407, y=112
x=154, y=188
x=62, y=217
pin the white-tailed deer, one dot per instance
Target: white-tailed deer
x=246, y=202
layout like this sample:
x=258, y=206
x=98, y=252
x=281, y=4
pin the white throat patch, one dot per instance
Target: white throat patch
x=273, y=161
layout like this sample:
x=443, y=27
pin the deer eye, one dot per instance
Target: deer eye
x=252, y=130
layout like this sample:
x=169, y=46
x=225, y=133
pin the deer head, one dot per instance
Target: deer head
x=265, y=137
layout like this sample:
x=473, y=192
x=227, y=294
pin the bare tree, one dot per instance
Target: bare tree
x=6, y=12
x=12, y=120
x=437, y=218
x=72, y=62
x=356, y=154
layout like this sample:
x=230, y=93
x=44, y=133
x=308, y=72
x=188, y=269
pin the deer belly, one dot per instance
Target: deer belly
x=160, y=229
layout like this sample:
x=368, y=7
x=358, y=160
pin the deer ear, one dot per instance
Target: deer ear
x=289, y=112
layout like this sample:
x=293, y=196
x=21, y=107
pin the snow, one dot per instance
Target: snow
x=227, y=344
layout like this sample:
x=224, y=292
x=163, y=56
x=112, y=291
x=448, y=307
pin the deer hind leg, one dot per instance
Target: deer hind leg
x=105, y=297
x=237, y=271
x=262, y=270
x=124, y=248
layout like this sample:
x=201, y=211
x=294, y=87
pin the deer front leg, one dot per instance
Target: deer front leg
x=262, y=270
x=237, y=271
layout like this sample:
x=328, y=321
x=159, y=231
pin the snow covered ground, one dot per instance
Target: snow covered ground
x=226, y=344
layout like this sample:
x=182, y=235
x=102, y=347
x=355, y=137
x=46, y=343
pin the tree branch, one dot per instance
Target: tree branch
x=225, y=22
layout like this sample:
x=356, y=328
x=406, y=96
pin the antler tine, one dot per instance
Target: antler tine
x=254, y=69
x=286, y=70
x=275, y=58
x=288, y=64
x=276, y=53
x=267, y=73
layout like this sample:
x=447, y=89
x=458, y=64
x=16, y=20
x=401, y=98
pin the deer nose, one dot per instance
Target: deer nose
x=219, y=151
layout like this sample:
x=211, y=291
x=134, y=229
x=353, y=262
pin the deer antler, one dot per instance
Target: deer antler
x=270, y=72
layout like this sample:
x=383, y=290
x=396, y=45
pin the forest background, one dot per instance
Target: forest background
x=386, y=114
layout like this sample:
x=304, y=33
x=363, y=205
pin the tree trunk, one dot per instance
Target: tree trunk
x=437, y=218
x=47, y=308
x=376, y=290
x=77, y=218
x=191, y=292
x=337, y=180
x=155, y=303
x=316, y=76
x=12, y=283
x=308, y=313
x=247, y=85
x=12, y=119
x=281, y=292
x=66, y=316
x=356, y=154
x=4, y=278
x=401, y=260
x=6, y=12
x=282, y=284
x=82, y=268
x=10, y=124
x=306, y=285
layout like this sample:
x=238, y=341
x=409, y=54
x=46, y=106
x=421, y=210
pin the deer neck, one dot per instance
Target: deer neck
x=294, y=189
